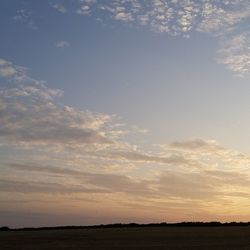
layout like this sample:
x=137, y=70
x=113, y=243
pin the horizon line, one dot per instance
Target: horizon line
x=123, y=225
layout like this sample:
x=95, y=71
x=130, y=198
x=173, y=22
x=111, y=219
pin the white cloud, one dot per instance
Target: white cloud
x=60, y=8
x=62, y=44
x=217, y=18
x=24, y=16
x=83, y=10
x=123, y=16
x=172, y=17
x=31, y=115
x=176, y=17
x=235, y=54
x=7, y=71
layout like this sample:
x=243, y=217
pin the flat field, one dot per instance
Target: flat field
x=181, y=238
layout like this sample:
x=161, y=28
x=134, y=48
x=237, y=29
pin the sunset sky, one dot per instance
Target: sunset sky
x=124, y=111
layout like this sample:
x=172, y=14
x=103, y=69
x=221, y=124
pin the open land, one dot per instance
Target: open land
x=181, y=238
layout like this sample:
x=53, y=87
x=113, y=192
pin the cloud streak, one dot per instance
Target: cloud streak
x=30, y=114
x=78, y=155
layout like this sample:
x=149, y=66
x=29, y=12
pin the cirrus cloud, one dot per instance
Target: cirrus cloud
x=222, y=19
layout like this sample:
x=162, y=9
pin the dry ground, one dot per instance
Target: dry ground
x=181, y=238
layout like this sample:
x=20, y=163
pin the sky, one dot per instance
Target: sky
x=124, y=111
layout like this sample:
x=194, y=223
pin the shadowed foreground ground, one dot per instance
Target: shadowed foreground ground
x=182, y=238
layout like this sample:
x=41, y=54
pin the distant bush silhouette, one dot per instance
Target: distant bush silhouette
x=4, y=229
x=130, y=225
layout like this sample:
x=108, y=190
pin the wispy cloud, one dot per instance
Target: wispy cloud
x=197, y=145
x=31, y=115
x=174, y=17
x=7, y=69
x=85, y=7
x=235, y=54
x=123, y=16
x=222, y=19
x=83, y=10
x=104, y=183
x=219, y=18
x=42, y=187
x=24, y=16
x=62, y=44
x=60, y=8
x=76, y=152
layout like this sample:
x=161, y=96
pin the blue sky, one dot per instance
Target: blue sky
x=128, y=100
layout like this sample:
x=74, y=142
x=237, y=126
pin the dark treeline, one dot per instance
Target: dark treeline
x=129, y=225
